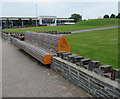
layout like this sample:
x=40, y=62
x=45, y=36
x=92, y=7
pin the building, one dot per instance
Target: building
x=41, y=20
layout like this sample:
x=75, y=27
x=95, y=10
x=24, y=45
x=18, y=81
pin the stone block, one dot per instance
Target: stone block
x=84, y=76
x=70, y=58
x=103, y=84
x=105, y=68
x=85, y=63
x=72, y=75
x=84, y=80
x=77, y=59
x=94, y=86
x=94, y=64
x=65, y=66
x=109, y=93
x=64, y=55
x=107, y=75
x=85, y=87
x=59, y=54
x=115, y=74
x=98, y=71
x=102, y=94
x=74, y=80
x=65, y=69
x=73, y=70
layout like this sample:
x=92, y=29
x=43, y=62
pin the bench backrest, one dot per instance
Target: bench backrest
x=48, y=41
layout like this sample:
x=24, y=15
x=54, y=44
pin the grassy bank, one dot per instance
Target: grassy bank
x=99, y=45
x=96, y=23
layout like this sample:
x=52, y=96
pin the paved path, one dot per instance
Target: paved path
x=23, y=76
x=79, y=31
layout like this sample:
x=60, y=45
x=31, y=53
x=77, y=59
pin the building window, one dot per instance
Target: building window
x=48, y=21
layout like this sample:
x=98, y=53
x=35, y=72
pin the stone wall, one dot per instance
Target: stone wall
x=5, y=36
x=93, y=83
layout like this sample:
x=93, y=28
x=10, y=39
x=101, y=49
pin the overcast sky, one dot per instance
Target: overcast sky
x=88, y=10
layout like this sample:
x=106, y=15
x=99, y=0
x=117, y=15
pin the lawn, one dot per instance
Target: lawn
x=89, y=24
x=99, y=45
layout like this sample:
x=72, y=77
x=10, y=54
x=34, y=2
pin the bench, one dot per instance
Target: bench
x=42, y=46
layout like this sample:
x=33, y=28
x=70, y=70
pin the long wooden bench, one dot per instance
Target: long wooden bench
x=42, y=46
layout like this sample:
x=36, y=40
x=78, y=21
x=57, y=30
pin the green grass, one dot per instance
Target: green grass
x=95, y=23
x=99, y=45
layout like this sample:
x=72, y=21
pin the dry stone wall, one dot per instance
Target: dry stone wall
x=93, y=83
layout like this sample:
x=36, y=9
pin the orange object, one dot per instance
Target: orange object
x=48, y=59
x=63, y=44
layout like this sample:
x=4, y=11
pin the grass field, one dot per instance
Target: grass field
x=96, y=23
x=99, y=45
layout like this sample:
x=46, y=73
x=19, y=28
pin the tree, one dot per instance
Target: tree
x=8, y=23
x=118, y=16
x=30, y=22
x=76, y=17
x=19, y=22
x=106, y=16
x=112, y=16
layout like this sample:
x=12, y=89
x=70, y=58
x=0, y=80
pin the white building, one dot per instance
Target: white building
x=53, y=20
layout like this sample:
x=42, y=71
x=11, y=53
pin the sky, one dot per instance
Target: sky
x=88, y=10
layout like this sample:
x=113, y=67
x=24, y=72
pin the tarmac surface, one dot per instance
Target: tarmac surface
x=24, y=76
x=79, y=31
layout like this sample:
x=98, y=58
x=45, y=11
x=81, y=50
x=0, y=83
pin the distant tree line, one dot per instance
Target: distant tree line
x=112, y=16
x=76, y=17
